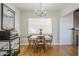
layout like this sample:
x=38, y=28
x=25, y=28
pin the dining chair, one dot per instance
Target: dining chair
x=40, y=43
x=49, y=39
x=31, y=41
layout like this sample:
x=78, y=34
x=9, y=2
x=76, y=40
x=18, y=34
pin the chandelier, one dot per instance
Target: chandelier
x=41, y=11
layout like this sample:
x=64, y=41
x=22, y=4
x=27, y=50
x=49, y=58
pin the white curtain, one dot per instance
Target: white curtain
x=35, y=24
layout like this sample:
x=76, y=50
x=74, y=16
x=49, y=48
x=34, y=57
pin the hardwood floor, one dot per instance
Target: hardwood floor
x=56, y=50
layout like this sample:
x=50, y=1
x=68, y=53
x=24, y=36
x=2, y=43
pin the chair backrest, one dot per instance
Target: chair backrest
x=41, y=38
x=51, y=37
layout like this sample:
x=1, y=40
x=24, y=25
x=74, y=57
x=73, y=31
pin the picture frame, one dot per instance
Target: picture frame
x=7, y=18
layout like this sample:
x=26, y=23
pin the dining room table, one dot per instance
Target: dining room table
x=37, y=40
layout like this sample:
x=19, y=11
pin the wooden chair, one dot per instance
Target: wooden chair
x=40, y=43
x=31, y=41
x=49, y=39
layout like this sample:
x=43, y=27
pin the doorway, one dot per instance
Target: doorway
x=76, y=27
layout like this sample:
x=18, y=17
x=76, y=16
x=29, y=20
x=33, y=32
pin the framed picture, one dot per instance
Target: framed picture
x=7, y=18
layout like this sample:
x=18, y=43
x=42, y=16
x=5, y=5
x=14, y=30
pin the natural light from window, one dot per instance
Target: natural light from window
x=35, y=24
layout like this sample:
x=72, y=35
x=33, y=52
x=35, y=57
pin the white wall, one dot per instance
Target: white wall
x=17, y=16
x=55, y=25
x=66, y=23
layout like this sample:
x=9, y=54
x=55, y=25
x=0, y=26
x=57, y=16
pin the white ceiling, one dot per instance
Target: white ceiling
x=33, y=6
x=48, y=6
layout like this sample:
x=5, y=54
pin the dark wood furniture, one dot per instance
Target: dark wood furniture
x=40, y=41
x=31, y=40
x=49, y=40
x=10, y=38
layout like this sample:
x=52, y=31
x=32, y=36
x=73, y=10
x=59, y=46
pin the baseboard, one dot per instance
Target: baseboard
x=51, y=44
x=66, y=44
x=55, y=44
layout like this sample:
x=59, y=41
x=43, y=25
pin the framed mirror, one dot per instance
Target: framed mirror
x=7, y=18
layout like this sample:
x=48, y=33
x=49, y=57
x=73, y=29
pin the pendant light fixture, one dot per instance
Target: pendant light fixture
x=41, y=11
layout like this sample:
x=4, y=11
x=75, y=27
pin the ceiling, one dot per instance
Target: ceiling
x=33, y=6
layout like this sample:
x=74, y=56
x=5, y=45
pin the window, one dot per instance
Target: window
x=35, y=24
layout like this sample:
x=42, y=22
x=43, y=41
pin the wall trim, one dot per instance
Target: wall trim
x=52, y=44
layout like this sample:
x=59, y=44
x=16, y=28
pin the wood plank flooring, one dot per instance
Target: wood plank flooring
x=56, y=50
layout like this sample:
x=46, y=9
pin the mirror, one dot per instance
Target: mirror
x=7, y=18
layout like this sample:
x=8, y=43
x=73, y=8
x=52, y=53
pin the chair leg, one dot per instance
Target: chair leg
x=50, y=44
x=44, y=48
x=35, y=46
x=29, y=45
